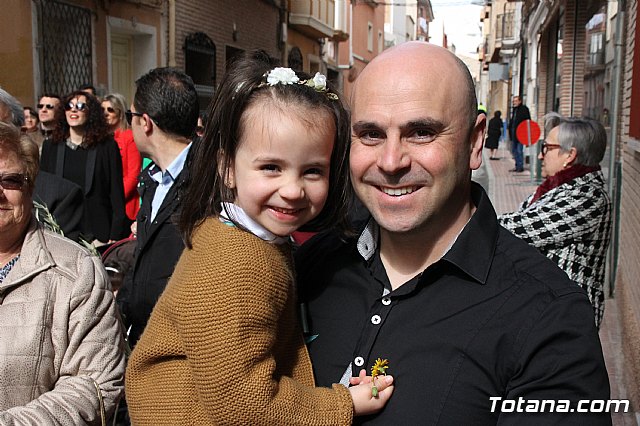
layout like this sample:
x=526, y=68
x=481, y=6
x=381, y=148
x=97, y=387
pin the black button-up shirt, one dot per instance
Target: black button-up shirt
x=492, y=318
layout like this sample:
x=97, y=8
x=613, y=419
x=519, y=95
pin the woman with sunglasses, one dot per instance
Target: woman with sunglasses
x=61, y=349
x=114, y=107
x=82, y=151
x=568, y=218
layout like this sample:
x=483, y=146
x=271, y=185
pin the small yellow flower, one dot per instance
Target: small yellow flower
x=379, y=368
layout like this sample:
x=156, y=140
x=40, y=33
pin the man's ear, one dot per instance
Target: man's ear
x=476, y=141
x=148, y=124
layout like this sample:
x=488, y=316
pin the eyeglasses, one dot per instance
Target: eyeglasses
x=109, y=110
x=546, y=146
x=12, y=180
x=79, y=106
x=129, y=115
x=47, y=106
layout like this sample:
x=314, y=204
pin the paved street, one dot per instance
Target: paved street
x=507, y=190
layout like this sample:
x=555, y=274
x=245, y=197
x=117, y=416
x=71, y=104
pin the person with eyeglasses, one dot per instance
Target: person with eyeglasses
x=83, y=151
x=61, y=349
x=48, y=114
x=114, y=108
x=568, y=218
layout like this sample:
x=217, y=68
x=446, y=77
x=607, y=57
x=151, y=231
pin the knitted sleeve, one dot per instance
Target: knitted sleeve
x=227, y=297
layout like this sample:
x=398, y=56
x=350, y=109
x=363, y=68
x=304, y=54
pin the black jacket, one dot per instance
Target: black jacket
x=64, y=199
x=104, y=213
x=518, y=115
x=159, y=246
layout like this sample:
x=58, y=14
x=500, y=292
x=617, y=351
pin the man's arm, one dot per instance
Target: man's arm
x=560, y=359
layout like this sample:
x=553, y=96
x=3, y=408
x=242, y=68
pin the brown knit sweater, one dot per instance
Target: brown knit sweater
x=223, y=345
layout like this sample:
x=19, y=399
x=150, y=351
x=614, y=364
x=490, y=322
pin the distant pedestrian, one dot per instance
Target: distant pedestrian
x=494, y=133
x=519, y=114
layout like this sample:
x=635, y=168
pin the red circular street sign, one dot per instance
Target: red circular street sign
x=526, y=128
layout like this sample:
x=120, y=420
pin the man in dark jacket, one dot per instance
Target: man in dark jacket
x=519, y=114
x=163, y=118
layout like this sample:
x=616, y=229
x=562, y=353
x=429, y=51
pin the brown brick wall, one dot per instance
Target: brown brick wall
x=627, y=290
x=257, y=24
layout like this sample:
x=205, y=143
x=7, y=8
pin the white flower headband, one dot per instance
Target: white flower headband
x=285, y=76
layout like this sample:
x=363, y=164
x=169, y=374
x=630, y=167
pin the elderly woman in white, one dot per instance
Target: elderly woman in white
x=61, y=347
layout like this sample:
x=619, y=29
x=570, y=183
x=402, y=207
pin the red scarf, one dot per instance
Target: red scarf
x=562, y=177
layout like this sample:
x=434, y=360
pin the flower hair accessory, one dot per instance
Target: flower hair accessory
x=286, y=76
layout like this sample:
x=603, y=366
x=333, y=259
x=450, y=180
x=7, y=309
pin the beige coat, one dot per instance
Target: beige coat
x=60, y=335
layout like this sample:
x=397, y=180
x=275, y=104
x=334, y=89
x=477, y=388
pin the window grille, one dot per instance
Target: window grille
x=65, y=46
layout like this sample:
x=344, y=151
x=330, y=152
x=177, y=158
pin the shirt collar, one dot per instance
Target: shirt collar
x=472, y=250
x=232, y=214
x=174, y=168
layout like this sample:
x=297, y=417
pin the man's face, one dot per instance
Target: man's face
x=411, y=154
x=516, y=101
x=45, y=109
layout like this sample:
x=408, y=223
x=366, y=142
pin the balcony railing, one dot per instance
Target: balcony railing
x=314, y=18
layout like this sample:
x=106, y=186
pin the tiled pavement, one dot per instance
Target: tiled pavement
x=507, y=190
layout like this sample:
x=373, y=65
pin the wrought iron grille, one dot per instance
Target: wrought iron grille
x=65, y=41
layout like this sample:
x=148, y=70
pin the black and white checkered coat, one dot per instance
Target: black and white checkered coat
x=571, y=225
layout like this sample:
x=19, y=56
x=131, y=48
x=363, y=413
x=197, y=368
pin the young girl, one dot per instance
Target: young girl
x=223, y=344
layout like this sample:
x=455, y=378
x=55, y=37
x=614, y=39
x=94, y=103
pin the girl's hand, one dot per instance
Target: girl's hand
x=364, y=402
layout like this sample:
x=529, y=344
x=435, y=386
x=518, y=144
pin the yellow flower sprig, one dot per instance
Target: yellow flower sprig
x=379, y=368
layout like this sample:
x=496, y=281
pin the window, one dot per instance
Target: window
x=370, y=37
x=380, y=42
x=200, y=59
x=200, y=65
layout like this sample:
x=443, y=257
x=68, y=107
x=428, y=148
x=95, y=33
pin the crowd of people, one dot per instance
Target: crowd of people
x=411, y=305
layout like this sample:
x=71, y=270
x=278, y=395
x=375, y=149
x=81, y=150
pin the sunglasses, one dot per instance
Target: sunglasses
x=79, y=106
x=546, y=146
x=47, y=106
x=12, y=180
x=129, y=115
x=110, y=110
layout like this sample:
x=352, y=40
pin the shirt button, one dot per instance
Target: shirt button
x=376, y=319
x=386, y=301
x=359, y=361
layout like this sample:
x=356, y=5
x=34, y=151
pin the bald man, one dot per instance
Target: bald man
x=477, y=327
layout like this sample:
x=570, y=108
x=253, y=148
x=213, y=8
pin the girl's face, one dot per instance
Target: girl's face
x=110, y=114
x=280, y=173
x=30, y=121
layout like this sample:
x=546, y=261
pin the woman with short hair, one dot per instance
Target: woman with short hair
x=61, y=347
x=568, y=218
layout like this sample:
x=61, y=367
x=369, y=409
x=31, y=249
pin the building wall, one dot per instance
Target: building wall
x=627, y=288
x=256, y=26
x=16, y=50
x=363, y=14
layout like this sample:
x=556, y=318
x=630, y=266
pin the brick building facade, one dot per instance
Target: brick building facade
x=628, y=272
